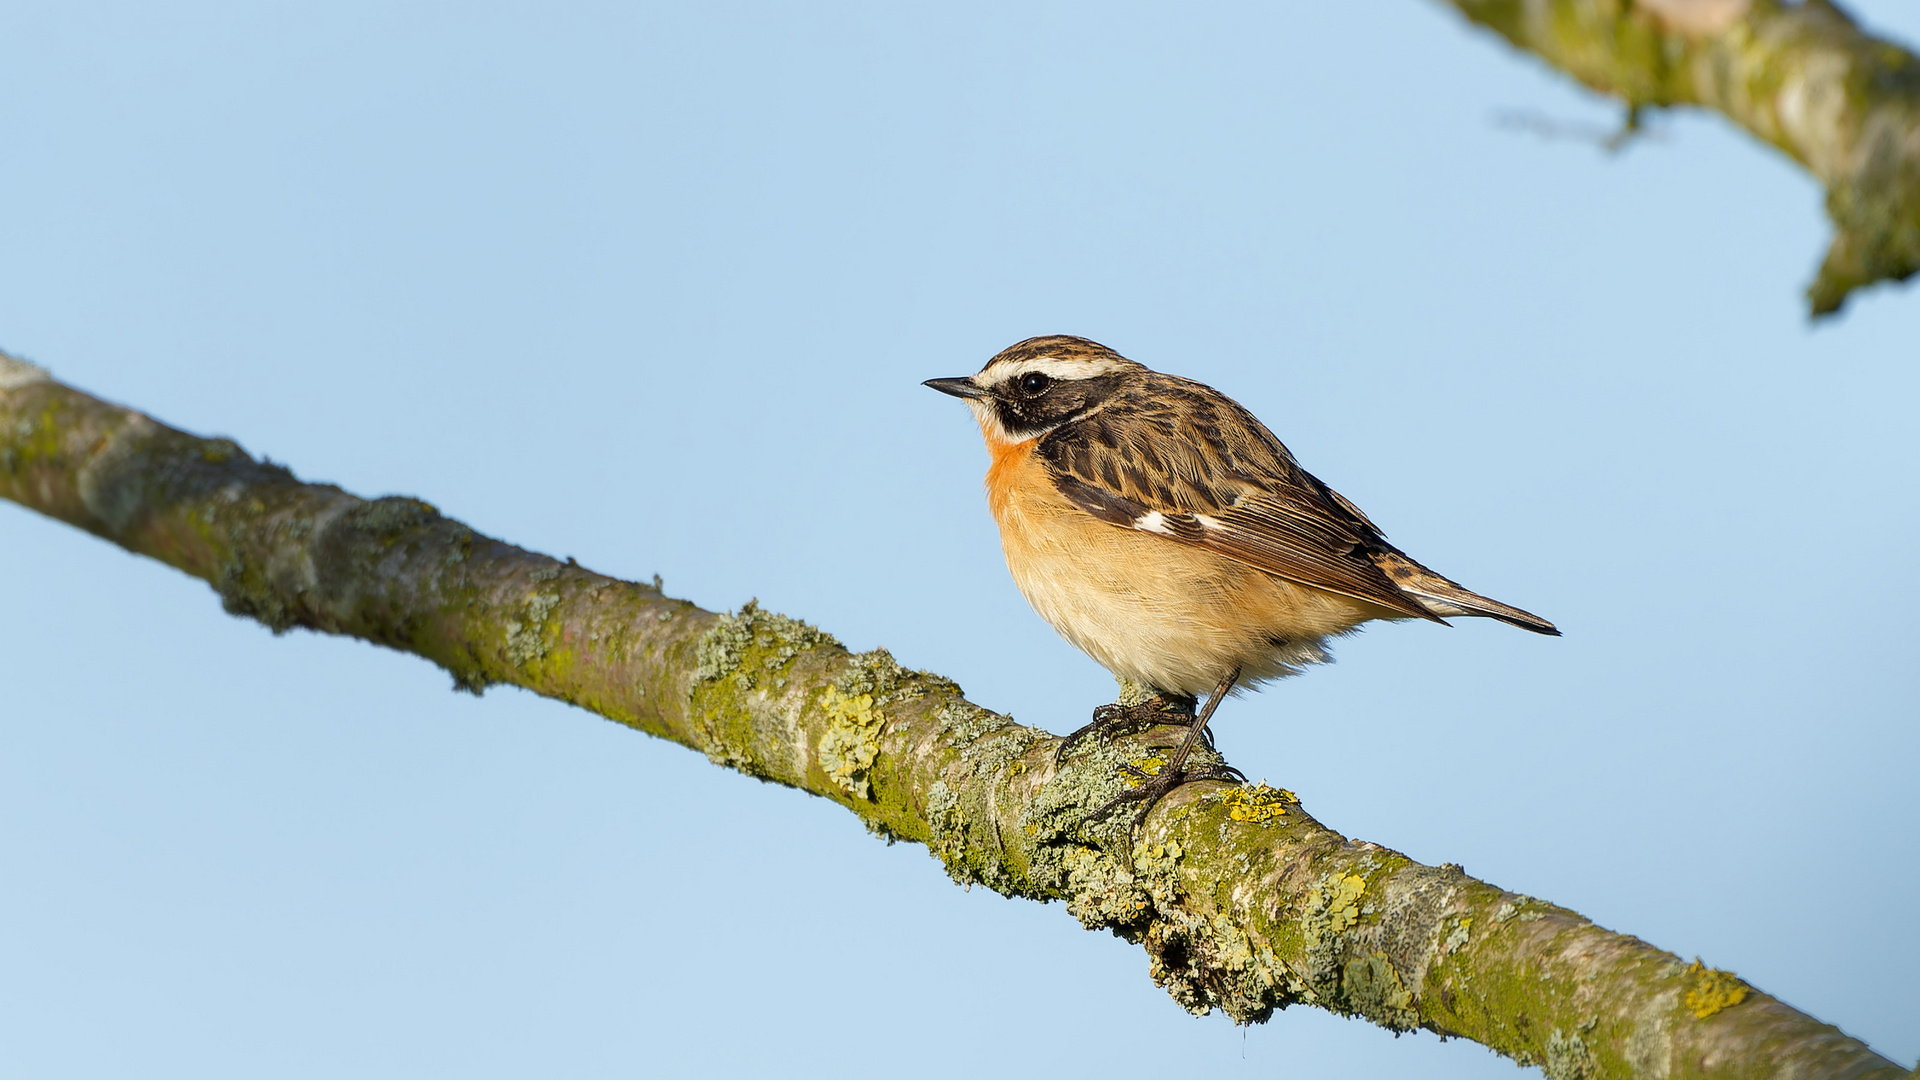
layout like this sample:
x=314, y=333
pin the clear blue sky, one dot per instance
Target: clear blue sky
x=656, y=288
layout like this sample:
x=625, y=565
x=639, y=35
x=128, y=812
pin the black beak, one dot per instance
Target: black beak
x=960, y=388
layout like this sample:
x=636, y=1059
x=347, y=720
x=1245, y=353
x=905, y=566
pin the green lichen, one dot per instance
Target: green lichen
x=723, y=650
x=1206, y=957
x=950, y=825
x=1102, y=893
x=1079, y=785
x=1568, y=1057
x=1168, y=853
x=851, y=743
x=963, y=723
x=1005, y=750
x=529, y=637
x=1327, y=911
x=1520, y=907
x=964, y=834
x=244, y=593
x=388, y=519
x=856, y=707
x=1709, y=990
x=739, y=654
x=1063, y=857
x=962, y=819
x=1134, y=693
x=1257, y=981
x=720, y=650
x=1374, y=990
x=1337, y=903
x=225, y=528
x=1156, y=867
x=37, y=439
x=942, y=802
x=877, y=673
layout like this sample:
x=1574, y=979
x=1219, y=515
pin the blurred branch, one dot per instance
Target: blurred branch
x=1611, y=139
x=1243, y=901
x=1803, y=77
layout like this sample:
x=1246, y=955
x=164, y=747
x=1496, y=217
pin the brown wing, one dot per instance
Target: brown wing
x=1179, y=459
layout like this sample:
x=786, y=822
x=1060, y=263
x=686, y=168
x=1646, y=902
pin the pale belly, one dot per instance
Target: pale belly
x=1159, y=611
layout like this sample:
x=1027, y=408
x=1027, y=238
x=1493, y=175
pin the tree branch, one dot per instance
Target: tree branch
x=1241, y=899
x=1803, y=77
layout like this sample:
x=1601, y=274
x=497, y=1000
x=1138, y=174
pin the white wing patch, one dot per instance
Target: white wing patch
x=1186, y=527
x=1153, y=521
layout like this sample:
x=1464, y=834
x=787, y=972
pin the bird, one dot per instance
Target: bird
x=1164, y=531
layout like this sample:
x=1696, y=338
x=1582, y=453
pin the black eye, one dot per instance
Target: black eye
x=1034, y=383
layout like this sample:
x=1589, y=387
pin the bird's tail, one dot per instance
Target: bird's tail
x=1444, y=597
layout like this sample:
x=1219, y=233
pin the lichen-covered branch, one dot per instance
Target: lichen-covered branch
x=1243, y=901
x=1801, y=76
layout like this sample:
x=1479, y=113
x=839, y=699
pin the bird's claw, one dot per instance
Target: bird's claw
x=1155, y=786
x=1113, y=721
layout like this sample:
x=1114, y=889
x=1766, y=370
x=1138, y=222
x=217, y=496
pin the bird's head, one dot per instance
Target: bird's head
x=1039, y=384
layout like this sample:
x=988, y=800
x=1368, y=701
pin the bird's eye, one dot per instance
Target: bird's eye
x=1033, y=382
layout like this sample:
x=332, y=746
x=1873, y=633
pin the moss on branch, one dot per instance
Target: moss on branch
x=1242, y=900
x=1801, y=76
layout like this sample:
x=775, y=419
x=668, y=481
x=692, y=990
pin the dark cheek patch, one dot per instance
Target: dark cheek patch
x=1016, y=422
x=1022, y=415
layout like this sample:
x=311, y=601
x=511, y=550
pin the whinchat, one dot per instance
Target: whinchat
x=1164, y=531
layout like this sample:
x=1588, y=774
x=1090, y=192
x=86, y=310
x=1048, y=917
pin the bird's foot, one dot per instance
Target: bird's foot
x=1113, y=721
x=1154, y=786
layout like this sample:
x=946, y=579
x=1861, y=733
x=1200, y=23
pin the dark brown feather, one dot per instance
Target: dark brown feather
x=1213, y=458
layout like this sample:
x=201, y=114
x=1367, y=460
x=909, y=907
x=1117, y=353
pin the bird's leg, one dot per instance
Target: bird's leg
x=1113, y=721
x=1155, y=786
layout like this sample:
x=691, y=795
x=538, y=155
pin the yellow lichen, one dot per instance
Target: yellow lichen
x=1151, y=765
x=1345, y=908
x=1710, y=990
x=1337, y=903
x=1258, y=803
x=851, y=745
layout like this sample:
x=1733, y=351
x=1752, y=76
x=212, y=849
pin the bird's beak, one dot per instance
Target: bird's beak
x=960, y=388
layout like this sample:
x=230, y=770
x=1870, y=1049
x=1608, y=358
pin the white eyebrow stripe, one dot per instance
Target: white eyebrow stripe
x=1053, y=367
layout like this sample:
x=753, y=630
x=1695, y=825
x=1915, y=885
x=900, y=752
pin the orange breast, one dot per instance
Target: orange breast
x=1010, y=461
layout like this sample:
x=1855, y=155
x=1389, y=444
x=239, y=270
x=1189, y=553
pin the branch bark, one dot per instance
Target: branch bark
x=1803, y=77
x=1242, y=900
